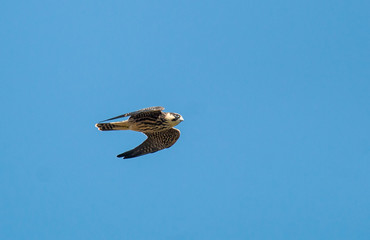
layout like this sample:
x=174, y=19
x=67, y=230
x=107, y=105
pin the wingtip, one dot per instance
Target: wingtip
x=123, y=156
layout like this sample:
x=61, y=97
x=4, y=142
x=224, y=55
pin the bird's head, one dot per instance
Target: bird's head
x=174, y=118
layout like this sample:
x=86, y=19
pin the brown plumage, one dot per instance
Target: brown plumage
x=157, y=125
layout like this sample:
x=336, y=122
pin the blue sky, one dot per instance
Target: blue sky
x=275, y=97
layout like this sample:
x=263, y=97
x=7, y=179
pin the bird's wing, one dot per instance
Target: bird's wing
x=156, y=141
x=142, y=112
x=152, y=112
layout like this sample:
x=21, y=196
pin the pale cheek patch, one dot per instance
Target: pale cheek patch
x=168, y=117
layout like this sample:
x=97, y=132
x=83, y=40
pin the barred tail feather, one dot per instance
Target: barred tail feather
x=112, y=126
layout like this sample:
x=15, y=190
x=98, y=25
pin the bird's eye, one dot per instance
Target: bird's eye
x=174, y=119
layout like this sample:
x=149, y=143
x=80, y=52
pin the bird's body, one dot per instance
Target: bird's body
x=154, y=123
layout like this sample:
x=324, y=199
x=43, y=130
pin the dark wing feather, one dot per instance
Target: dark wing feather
x=144, y=112
x=156, y=141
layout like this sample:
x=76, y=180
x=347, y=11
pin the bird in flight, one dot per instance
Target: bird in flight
x=158, y=126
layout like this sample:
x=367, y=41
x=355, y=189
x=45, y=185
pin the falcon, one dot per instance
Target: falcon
x=157, y=125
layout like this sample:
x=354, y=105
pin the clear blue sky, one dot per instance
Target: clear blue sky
x=275, y=142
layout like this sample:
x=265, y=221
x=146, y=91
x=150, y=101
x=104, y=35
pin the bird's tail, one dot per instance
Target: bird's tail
x=113, y=126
